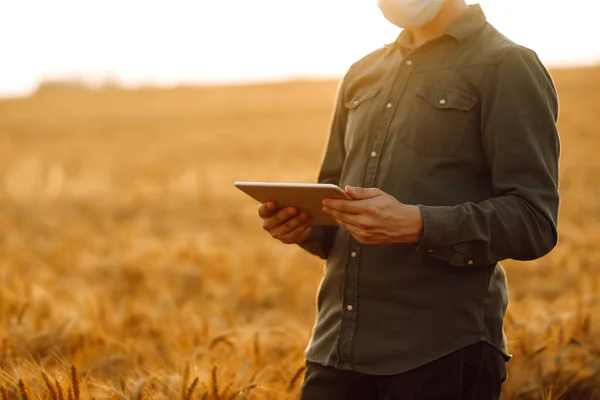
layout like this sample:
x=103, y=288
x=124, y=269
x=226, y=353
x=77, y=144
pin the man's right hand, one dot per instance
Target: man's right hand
x=285, y=225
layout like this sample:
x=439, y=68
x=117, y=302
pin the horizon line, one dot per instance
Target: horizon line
x=75, y=82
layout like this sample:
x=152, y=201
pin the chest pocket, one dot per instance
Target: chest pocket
x=360, y=110
x=437, y=120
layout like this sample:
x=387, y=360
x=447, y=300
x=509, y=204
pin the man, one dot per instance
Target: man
x=446, y=140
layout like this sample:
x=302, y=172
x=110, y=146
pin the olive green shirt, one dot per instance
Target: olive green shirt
x=464, y=126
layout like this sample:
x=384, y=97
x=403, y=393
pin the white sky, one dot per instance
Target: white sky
x=176, y=41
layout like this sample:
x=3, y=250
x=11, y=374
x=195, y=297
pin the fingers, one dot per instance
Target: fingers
x=285, y=225
x=266, y=210
x=360, y=200
x=289, y=226
x=358, y=193
x=278, y=218
x=358, y=220
x=361, y=235
x=356, y=232
x=359, y=226
x=339, y=205
x=299, y=234
x=348, y=206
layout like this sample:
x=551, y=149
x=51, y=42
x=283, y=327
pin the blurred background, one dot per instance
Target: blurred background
x=137, y=42
x=130, y=267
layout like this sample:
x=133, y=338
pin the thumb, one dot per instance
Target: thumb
x=358, y=193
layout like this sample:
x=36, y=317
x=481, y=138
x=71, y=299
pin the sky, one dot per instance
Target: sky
x=172, y=42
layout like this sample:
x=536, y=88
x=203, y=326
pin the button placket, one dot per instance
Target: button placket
x=350, y=301
x=400, y=81
x=350, y=292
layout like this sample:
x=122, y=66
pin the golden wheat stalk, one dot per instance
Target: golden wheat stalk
x=75, y=382
x=139, y=389
x=59, y=391
x=243, y=392
x=185, y=380
x=117, y=394
x=221, y=339
x=295, y=377
x=23, y=390
x=50, y=387
x=256, y=348
x=215, y=384
x=3, y=393
x=190, y=391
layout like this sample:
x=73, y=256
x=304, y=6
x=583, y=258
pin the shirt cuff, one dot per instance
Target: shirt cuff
x=314, y=242
x=439, y=227
x=439, y=236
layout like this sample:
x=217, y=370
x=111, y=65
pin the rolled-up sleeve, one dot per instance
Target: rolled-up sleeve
x=519, y=111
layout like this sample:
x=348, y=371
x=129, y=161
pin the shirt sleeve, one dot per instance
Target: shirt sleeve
x=519, y=111
x=321, y=238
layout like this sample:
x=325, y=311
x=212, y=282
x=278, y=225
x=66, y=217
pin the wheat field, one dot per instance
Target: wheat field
x=130, y=267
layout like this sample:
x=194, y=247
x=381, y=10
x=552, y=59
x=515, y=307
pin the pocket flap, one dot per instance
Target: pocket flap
x=361, y=97
x=444, y=98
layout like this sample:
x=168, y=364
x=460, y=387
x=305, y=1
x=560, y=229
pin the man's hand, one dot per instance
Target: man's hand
x=374, y=217
x=285, y=225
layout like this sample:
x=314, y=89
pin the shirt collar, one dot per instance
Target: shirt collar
x=471, y=21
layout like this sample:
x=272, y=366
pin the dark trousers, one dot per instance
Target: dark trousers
x=475, y=372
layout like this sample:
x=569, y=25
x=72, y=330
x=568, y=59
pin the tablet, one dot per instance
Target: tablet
x=304, y=196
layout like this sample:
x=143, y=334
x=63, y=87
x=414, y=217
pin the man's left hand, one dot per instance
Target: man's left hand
x=374, y=217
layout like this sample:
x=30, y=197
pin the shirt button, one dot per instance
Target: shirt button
x=408, y=62
x=349, y=307
x=355, y=102
x=373, y=154
x=389, y=105
x=353, y=254
x=470, y=262
x=443, y=101
x=430, y=251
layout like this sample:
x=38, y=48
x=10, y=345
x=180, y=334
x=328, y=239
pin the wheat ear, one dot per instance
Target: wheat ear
x=215, y=384
x=51, y=389
x=23, y=390
x=190, y=391
x=59, y=391
x=75, y=382
x=186, y=380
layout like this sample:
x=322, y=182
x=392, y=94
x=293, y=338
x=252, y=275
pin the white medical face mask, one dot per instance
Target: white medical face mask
x=410, y=14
